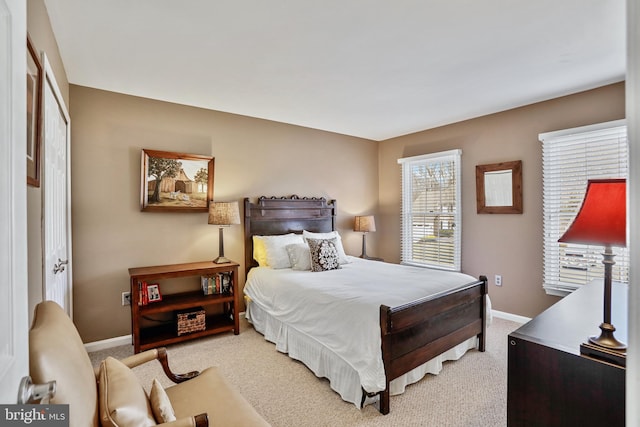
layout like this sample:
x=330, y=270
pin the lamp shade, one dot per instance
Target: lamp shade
x=224, y=213
x=364, y=223
x=602, y=219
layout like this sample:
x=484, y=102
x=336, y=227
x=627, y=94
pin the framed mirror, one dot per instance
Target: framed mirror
x=499, y=188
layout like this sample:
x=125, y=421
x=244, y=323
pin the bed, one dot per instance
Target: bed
x=387, y=340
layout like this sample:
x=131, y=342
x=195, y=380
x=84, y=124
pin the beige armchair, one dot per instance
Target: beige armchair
x=112, y=396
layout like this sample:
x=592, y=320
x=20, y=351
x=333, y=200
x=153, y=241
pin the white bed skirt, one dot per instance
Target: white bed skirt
x=326, y=364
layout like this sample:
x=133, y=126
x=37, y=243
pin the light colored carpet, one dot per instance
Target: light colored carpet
x=467, y=393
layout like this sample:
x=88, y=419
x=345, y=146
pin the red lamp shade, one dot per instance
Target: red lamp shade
x=602, y=219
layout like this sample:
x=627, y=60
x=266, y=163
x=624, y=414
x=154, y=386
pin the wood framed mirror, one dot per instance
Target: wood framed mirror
x=499, y=188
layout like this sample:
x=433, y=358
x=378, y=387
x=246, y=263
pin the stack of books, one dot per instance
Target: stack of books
x=217, y=284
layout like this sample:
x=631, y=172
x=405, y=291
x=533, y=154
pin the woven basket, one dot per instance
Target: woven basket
x=191, y=320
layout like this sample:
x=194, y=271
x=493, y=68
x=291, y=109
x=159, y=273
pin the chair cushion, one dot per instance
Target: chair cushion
x=160, y=403
x=210, y=393
x=123, y=401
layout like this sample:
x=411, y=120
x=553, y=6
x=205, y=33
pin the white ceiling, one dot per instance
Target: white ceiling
x=368, y=68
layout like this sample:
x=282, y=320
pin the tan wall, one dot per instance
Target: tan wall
x=510, y=245
x=256, y=157
x=41, y=33
x=253, y=157
x=43, y=40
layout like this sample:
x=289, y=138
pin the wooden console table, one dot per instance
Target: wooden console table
x=146, y=337
x=549, y=382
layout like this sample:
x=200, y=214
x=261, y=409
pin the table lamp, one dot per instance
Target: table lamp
x=364, y=224
x=223, y=214
x=602, y=220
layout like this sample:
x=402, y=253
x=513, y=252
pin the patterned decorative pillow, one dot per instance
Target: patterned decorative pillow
x=324, y=254
x=342, y=256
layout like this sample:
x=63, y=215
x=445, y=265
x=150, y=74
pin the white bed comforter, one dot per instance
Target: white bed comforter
x=340, y=308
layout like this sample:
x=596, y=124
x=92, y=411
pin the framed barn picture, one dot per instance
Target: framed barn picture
x=176, y=182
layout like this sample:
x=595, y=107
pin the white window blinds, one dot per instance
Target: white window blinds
x=569, y=159
x=431, y=212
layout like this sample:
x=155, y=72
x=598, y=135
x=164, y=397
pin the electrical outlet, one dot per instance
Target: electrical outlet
x=498, y=280
x=126, y=298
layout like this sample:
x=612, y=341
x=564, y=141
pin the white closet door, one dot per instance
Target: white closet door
x=56, y=195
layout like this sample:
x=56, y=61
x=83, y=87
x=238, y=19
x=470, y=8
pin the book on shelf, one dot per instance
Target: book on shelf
x=143, y=297
x=207, y=285
x=219, y=283
x=226, y=282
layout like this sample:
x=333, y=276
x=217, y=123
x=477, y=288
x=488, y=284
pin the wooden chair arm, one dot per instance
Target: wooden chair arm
x=163, y=358
x=201, y=420
x=161, y=355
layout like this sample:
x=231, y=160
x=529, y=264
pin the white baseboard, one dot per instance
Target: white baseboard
x=509, y=316
x=108, y=343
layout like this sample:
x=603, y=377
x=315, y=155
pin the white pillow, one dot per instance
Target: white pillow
x=276, y=249
x=299, y=256
x=160, y=403
x=342, y=256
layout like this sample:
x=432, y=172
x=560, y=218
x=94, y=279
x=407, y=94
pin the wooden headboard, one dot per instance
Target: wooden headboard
x=282, y=215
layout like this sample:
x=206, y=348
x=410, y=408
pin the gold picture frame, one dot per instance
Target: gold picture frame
x=175, y=182
x=34, y=114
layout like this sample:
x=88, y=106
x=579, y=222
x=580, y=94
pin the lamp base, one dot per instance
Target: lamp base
x=372, y=258
x=221, y=260
x=606, y=338
x=364, y=255
x=606, y=346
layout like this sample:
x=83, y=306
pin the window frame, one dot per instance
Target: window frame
x=559, y=151
x=407, y=225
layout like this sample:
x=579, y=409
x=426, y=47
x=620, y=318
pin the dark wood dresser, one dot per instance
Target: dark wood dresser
x=549, y=382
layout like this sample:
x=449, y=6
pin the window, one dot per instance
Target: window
x=431, y=212
x=569, y=159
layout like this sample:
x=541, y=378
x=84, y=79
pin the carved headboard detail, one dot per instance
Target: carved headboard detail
x=282, y=215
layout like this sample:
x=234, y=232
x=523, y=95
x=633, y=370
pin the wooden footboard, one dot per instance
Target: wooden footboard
x=414, y=333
